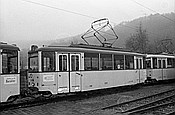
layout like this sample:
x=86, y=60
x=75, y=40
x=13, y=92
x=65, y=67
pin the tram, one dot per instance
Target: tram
x=160, y=67
x=78, y=68
x=9, y=71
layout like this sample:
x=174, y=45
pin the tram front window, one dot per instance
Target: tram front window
x=33, y=62
x=48, y=61
x=9, y=61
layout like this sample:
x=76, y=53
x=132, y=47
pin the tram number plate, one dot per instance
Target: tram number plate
x=10, y=80
x=48, y=78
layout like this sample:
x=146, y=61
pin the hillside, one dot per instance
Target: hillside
x=157, y=27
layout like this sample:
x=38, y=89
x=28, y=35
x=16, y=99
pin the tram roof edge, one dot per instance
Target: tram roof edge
x=88, y=49
x=8, y=46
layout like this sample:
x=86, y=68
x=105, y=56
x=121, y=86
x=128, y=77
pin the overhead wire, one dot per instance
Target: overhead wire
x=56, y=8
x=152, y=10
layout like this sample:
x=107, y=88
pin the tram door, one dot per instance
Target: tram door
x=164, y=74
x=69, y=73
x=63, y=74
x=75, y=74
x=139, y=66
x=162, y=66
x=149, y=70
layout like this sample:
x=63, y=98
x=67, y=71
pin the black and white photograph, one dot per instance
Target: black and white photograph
x=87, y=57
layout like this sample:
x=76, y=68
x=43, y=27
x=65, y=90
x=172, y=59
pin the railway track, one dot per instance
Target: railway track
x=117, y=108
x=162, y=103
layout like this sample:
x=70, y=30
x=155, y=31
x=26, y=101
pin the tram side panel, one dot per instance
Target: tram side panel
x=44, y=81
x=169, y=73
x=157, y=74
x=55, y=82
x=161, y=74
x=142, y=76
x=10, y=85
x=92, y=80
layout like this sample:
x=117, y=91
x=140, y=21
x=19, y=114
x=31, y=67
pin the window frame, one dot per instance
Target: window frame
x=116, y=67
x=126, y=62
x=16, y=57
x=62, y=63
x=171, y=64
x=52, y=62
x=93, y=57
x=104, y=60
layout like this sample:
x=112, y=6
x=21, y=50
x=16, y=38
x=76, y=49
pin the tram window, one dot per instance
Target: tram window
x=48, y=61
x=9, y=61
x=129, y=62
x=91, y=61
x=164, y=64
x=148, y=64
x=154, y=63
x=159, y=64
x=106, y=61
x=170, y=62
x=74, y=62
x=62, y=63
x=140, y=63
x=144, y=63
x=118, y=62
x=33, y=64
x=137, y=64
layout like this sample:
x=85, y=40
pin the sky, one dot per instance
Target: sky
x=54, y=19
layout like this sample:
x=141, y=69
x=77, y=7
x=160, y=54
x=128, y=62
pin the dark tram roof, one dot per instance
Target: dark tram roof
x=98, y=47
x=86, y=49
x=8, y=47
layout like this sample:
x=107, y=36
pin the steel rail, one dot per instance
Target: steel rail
x=148, y=104
x=170, y=113
x=134, y=100
x=150, y=108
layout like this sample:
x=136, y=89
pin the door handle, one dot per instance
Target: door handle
x=79, y=74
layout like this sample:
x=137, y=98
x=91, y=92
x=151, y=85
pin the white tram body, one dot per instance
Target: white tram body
x=73, y=69
x=9, y=71
x=160, y=67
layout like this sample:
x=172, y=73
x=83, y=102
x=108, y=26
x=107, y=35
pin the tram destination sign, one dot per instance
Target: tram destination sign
x=10, y=80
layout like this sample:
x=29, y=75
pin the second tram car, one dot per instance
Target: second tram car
x=9, y=71
x=83, y=68
x=160, y=67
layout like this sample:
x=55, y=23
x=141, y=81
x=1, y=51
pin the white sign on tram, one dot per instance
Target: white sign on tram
x=10, y=80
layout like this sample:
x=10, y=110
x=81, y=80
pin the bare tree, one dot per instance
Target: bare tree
x=138, y=42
